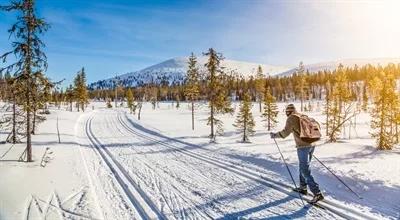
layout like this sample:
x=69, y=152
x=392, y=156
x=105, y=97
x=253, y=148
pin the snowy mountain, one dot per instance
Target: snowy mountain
x=345, y=62
x=173, y=71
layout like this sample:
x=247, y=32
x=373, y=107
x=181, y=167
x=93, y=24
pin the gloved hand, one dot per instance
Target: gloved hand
x=274, y=135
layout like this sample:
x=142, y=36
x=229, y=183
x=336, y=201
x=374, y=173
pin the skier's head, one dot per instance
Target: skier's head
x=290, y=109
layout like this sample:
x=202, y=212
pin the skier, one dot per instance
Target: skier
x=305, y=152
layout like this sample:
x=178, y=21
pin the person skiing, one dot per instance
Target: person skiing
x=305, y=152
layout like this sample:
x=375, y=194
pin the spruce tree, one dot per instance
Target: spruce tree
x=270, y=112
x=30, y=59
x=69, y=96
x=259, y=86
x=365, y=100
x=340, y=109
x=192, y=90
x=218, y=100
x=130, y=100
x=302, y=85
x=41, y=89
x=80, y=89
x=385, y=100
x=244, y=120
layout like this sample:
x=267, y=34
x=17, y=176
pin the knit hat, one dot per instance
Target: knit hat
x=290, y=108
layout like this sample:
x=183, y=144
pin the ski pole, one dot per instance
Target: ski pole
x=337, y=177
x=290, y=173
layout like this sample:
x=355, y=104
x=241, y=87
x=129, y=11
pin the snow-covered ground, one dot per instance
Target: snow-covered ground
x=111, y=166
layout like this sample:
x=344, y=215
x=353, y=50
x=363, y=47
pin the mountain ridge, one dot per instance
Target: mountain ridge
x=173, y=71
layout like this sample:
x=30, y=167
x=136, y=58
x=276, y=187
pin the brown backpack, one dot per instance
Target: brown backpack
x=310, y=130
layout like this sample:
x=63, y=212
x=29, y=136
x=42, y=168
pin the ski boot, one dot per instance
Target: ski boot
x=302, y=190
x=317, y=197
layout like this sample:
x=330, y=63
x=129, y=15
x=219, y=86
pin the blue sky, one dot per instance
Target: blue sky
x=117, y=36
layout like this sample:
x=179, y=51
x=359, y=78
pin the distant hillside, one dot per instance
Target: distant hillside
x=345, y=62
x=174, y=70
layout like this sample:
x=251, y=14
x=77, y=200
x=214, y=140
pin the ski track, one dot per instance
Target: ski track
x=186, y=186
x=331, y=205
x=133, y=195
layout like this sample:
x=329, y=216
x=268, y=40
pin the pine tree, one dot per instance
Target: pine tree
x=365, y=100
x=327, y=106
x=80, y=89
x=139, y=107
x=270, y=112
x=244, y=120
x=69, y=96
x=259, y=86
x=218, y=100
x=12, y=114
x=302, y=85
x=192, y=90
x=131, y=100
x=30, y=59
x=385, y=100
x=340, y=109
x=333, y=116
x=41, y=89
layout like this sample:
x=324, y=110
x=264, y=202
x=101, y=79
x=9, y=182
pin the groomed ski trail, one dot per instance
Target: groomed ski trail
x=184, y=185
x=133, y=195
x=330, y=205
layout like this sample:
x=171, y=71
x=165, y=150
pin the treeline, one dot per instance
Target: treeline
x=341, y=94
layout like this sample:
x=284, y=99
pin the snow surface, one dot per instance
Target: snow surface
x=111, y=166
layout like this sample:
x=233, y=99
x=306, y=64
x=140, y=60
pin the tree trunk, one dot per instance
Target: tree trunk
x=140, y=110
x=192, y=115
x=244, y=130
x=34, y=120
x=212, y=121
x=327, y=111
x=28, y=124
x=14, y=124
x=301, y=101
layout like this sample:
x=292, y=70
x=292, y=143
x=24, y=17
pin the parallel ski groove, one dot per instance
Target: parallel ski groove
x=124, y=180
x=333, y=207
